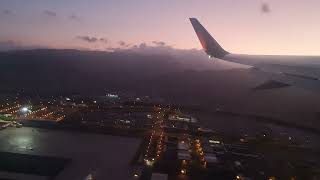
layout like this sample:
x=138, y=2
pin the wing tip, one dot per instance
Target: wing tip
x=209, y=44
x=194, y=20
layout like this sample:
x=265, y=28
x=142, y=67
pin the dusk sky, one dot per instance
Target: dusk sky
x=246, y=26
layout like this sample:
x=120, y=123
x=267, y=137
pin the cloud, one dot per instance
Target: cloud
x=93, y=39
x=75, y=17
x=155, y=47
x=123, y=44
x=265, y=8
x=8, y=45
x=8, y=12
x=159, y=43
x=112, y=49
x=103, y=40
x=50, y=13
x=143, y=45
x=88, y=39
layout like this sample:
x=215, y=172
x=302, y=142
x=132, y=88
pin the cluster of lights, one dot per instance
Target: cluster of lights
x=183, y=167
x=161, y=137
x=60, y=118
x=42, y=109
x=34, y=112
x=12, y=112
x=200, y=153
x=147, y=161
x=25, y=111
x=160, y=145
x=11, y=108
x=47, y=115
x=155, y=135
x=184, y=163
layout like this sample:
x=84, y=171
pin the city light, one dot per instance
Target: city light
x=193, y=151
x=24, y=109
x=135, y=175
x=148, y=162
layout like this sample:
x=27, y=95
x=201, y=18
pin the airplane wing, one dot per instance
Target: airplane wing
x=300, y=71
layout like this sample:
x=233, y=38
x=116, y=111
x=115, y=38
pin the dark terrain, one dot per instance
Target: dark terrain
x=184, y=77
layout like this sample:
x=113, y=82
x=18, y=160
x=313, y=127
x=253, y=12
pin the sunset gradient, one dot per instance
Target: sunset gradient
x=289, y=27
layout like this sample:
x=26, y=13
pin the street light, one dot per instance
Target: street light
x=183, y=171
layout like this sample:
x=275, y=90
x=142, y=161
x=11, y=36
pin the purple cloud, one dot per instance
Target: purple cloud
x=265, y=8
x=8, y=12
x=50, y=13
x=159, y=43
x=75, y=17
x=88, y=39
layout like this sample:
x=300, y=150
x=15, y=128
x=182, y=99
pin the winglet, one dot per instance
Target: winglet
x=209, y=44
